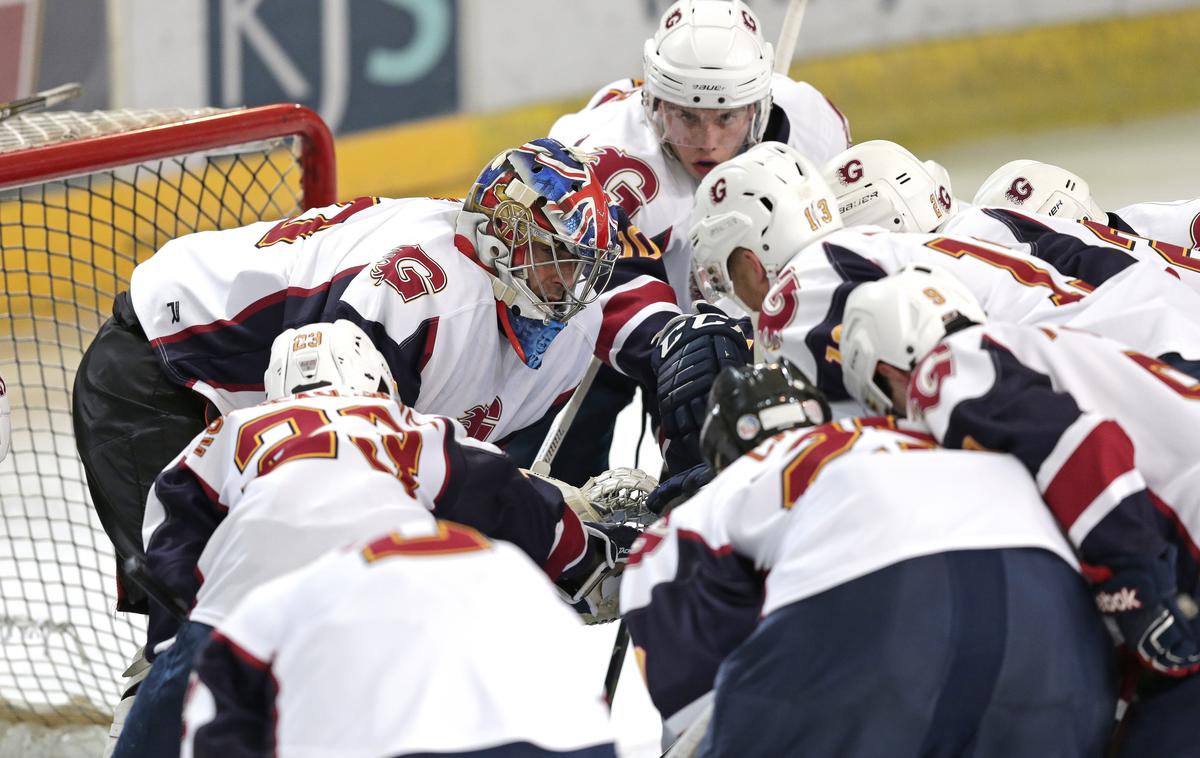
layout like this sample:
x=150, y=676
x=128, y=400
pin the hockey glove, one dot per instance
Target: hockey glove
x=690, y=350
x=591, y=584
x=679, y=488
x=1156, y=623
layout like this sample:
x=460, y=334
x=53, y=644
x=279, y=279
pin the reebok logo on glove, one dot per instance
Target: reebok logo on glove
x=1124, y=599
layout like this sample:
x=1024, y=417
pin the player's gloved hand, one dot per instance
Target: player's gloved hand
x=1158, y=624
x=590, y=585
x=690, y=350
x=676, y=489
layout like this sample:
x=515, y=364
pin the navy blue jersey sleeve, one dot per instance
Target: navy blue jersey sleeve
x=191, y=513
x=694, y=618
x=486, y=491
x=1094, y=264
x=243, y=693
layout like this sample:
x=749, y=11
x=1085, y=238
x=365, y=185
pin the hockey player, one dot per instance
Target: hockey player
x=478, y=307
x=431, y=640
x=328, y=458
x=774, y=239
x=708, y=93
x=1107, y=433
x=853, y=590
x=1050, y=190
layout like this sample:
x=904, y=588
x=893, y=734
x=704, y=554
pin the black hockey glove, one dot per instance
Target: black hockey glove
x=679, y=488
x=591, y=586
x=1158, y=624
x=690, y=350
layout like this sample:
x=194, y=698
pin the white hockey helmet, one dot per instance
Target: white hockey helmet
x=897, y=320
x=708, y=54
x=338, y=355
x=1040, y=188
x=770, y=200
x=881, y=183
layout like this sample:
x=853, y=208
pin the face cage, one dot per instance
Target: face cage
x=592, y=267
x=657, y=111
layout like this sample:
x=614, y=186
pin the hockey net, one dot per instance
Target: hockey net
x=84, y=197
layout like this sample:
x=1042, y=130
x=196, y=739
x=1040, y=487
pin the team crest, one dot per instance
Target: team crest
x=410, y=272
x=850, y=172
x=1019, y=191
x=481, y=420
x=718, y=190
x=675, y=17
x=748, y=20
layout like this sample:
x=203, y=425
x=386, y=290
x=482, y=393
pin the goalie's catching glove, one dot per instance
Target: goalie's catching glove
x=690, y=350
x=1156, y=622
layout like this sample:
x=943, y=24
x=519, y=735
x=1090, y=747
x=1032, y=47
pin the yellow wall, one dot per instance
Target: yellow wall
x=920, y=95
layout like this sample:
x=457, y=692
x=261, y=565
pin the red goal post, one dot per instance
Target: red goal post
x=85, y=197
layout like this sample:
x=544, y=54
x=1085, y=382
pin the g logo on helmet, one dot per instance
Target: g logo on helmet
x=1019, y=191
x=674, y=18
x=717, y=193
x=851, y=172
x=944, y=197
x=748, y=20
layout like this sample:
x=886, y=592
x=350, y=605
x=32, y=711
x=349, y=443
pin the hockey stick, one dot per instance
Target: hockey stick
x=136, y=569
x=789, y=32
x=562, y=422
x=45, y=99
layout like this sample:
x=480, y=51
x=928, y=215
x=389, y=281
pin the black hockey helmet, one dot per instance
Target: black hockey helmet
x=748, y=404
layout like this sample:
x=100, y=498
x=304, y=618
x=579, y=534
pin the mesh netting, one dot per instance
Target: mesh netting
x=68, y=247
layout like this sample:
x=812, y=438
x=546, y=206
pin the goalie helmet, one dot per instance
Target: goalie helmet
x=897, y=320
x=709, y=55
x=748, y=404
x=1040, y=188
x=338, y=355
x=538, y=218
x=770, y=200
x=881, y=183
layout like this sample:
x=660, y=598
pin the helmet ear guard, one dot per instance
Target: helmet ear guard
x=338, y=355
x=897, y=320
x=748, y=404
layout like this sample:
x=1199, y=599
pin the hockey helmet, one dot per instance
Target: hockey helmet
x=1040, y=188
x=881, y=183
x=338, y=355
x=897, y=320
x=748, y=404
x=770, y=200
x=707, y=55
x=538, y=218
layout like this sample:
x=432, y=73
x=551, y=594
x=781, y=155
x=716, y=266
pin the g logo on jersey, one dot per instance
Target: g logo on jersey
x=718, y=190
x=410, y=272
x=1019, y=191
x=628, y=181
x=925, y=385
x=480, y=420
x=851, y=172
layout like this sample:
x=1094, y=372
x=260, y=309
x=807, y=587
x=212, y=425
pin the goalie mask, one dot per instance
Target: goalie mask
x=881, y=183
x=538, y=218
x=748, y=404
x=897, y=320
x=337, y=355
x=770, y=200
x=1040, y=188
x=707, y=89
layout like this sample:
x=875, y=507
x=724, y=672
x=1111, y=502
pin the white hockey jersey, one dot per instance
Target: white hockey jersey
x=1175, y=222
x=654, y=189
x=802, y=314
x=430, y=640
x=211, y=303
x=266, y=489
x=1085, y=249
x=807, y=511
x=1108, y=433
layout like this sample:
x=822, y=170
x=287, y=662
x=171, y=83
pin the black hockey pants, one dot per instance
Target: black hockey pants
x=130, y=421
